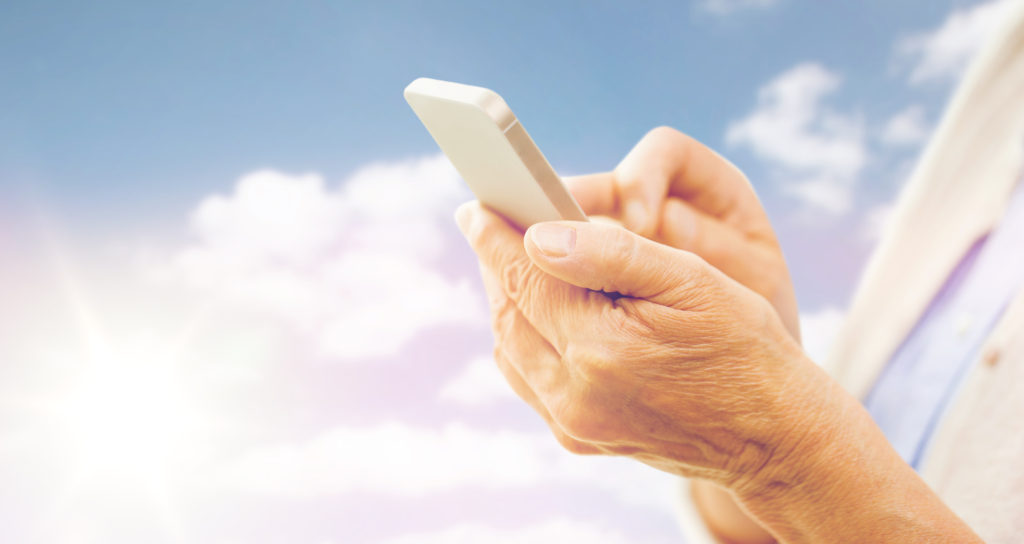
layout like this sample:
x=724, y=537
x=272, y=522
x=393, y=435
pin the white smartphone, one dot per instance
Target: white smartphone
x=492, y=151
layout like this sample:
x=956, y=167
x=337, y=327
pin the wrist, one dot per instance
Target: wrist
x=813, y=423
x=836, y=478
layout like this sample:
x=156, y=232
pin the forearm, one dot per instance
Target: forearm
x=843, y=482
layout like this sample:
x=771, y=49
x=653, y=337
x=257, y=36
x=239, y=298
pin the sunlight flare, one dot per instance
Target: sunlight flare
x=126, y=416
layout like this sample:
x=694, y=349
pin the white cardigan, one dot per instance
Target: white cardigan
x=958, y=193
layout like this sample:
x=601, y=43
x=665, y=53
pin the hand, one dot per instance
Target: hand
x=689, y=372
x=694, y=374
x=674, y=190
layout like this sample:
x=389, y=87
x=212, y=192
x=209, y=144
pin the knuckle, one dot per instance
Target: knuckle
x=600, y=368
x=575, y=421
x=583, y=357
x=665, y=138
x=572, y=445
x=504, y=320
x=583, y=425
x=516, y=278
x=663, y=133
x=654, y=146
x=580, y=411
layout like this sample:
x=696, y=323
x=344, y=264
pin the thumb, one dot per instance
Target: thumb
x=604, y=257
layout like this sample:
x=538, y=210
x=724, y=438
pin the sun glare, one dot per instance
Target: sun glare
x=125, y=411
x=126, y=416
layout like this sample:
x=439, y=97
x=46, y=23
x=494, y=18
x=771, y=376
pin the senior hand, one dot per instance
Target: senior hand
x=689, y=372
x=694, y=374
x=674, y=190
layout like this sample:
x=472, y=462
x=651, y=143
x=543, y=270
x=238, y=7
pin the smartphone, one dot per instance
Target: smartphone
x=492, y=151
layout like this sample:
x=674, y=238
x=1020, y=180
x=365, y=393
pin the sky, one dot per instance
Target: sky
x=234, y=306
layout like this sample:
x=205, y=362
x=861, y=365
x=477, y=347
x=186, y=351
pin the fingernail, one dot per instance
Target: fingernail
x=635, y=216
x=464, y=217
x=553, y=239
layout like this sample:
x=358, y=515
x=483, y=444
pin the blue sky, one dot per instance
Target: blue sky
x=132, y=106
x=236, y=195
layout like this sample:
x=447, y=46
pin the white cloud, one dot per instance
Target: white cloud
x=557, y=531
x=479, y=383
x=942, y=54
x=817, y=152
x=827, y=195
x=818, y=330
x=725, y=7
x=395, y=459
x=398, y=459
x=353, y=269
x=906, y=128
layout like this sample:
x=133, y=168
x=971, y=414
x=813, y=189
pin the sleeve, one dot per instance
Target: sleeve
x=693, y=527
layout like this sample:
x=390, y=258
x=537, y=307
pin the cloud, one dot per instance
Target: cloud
x=817, y=153
x=725, y=7
x=906, y=128
x=353, y=268
x=942, y=54
x=397, y=459
x=818, y=330
x=824, y=194
x=479, y=383
x=557, y=531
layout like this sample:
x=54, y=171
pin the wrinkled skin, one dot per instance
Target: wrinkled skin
x=688, y=371
x=605, y=372
x=676, y=342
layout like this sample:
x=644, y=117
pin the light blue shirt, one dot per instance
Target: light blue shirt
x=915, y=389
